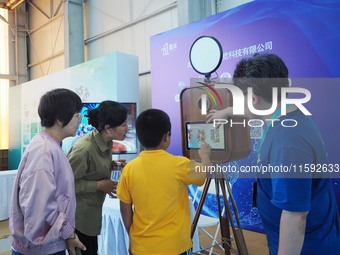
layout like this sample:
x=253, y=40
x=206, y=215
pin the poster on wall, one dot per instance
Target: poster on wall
x=304, y=34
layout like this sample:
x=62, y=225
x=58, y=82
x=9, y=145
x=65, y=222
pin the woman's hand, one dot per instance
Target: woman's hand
x=72, y=243
x=108, y=186
x=114, y=163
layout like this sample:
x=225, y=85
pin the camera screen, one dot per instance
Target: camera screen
x=201, y=132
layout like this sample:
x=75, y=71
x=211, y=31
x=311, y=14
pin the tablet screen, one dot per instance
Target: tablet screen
x=201, y=132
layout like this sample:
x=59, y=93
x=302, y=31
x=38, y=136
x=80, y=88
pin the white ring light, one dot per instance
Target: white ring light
x=206, y=55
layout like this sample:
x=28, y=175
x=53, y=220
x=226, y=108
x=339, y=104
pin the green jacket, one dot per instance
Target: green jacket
x=90, y=159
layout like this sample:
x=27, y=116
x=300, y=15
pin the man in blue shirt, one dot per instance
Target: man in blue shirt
x=298, y=210
x=300, y=215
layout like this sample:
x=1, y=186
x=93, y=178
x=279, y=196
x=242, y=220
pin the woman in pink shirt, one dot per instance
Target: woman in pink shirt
x=42, y=214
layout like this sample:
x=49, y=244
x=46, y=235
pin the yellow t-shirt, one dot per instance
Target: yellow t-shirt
x=156, y=184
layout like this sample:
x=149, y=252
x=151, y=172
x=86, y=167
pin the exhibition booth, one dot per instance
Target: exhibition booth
x=303, y=33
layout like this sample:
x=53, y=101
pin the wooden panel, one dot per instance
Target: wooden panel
x=3, y=160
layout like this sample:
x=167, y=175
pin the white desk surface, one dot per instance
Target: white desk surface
x=7, y=179
x=114, y=238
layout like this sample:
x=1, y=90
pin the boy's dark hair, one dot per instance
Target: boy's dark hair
x=107, y=113
x=262, y=73
x=58, y=104
x=151, y=126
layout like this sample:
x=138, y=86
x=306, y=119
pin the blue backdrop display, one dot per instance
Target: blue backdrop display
x=305, y=34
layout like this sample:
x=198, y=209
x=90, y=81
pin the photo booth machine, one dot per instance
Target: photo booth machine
x=228, y=142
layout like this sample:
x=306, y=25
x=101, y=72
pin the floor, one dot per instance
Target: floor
x=256, y=243
x=5, y=238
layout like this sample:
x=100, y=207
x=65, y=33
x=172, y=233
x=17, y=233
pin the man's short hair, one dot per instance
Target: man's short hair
x=262, y=72
x=151, y=126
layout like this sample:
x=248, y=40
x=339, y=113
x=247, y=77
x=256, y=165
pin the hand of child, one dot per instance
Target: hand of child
x=204, y=151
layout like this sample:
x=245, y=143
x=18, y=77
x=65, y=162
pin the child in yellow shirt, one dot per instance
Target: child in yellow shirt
x=153, y=190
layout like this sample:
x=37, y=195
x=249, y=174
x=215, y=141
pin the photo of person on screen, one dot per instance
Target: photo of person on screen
x=91, y=161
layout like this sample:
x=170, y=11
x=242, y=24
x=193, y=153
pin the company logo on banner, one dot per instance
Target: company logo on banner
x=168, y=48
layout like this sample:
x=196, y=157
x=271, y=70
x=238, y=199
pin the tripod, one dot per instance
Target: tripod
x=224, y=219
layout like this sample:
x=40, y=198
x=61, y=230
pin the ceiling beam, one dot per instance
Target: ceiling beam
x=38, y=9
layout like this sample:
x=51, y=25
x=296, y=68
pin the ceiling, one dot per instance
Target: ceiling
x=10, y=4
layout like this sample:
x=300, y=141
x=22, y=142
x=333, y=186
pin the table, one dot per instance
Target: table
x=7, y=179
x=114, y=239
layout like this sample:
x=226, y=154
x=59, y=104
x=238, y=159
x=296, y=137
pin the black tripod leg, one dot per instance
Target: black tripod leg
x=237, y=231
x=224, y=224
x=239, y=238
x=224, y=220
x=200, y=206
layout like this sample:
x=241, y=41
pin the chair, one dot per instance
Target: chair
x=208, y=221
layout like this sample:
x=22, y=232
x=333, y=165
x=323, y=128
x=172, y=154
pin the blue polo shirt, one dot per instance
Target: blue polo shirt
x=289, y=147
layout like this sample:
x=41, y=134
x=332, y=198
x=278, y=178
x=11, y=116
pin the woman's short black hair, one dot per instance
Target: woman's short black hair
x=262, y=72
x=107, y=113
x=58, y=104
x=151, y=126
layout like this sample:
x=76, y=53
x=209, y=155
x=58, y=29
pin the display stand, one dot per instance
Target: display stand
x=205, y=56
x=226, y=219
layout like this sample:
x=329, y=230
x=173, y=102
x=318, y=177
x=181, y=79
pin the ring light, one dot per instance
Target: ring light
x=206, y=55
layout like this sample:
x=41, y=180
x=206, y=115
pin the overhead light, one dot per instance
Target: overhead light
x=10, y=4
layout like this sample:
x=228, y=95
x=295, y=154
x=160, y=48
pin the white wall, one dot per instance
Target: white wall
x=110, y=25
x=45, y=24
x=127, y=26
x=222, y=5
